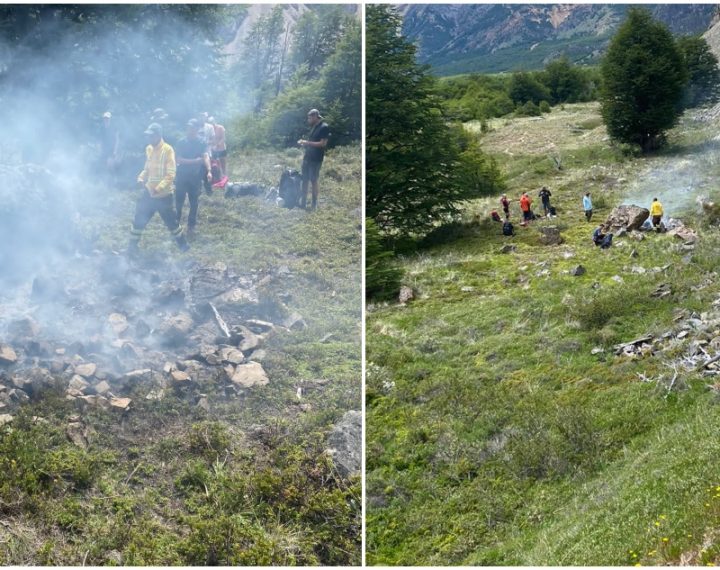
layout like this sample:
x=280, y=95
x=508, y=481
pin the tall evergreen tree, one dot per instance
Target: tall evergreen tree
x=644, y=76
x=414, y=174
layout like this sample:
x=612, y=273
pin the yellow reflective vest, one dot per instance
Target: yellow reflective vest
x=656, y=209
x=159, y=172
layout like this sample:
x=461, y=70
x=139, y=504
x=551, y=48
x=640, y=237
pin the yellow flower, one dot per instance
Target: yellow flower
x=634, y=555
x=657, y=523
x=665, y=539
x=707, y=504
x=638, y=564
x=662, y=517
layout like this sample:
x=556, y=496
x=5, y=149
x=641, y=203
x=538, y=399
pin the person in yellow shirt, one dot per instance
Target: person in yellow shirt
x=157, y=181
x=656, y=212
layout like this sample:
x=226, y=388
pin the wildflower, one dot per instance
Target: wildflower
x=662, y=517
x=638, y=564
x=657, y=523
x=707, y=504
x=665, y=539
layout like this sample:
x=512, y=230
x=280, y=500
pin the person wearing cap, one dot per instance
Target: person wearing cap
x=109, y=145
x=156, y=179
x=219, y=147
x=193, y=163
x=314, y=154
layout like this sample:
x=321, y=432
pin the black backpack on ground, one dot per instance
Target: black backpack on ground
x=290, y=188
x=553, y=211
x=508, y=229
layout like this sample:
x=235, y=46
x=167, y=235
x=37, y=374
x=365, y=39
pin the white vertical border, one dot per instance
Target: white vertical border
x=362, y=272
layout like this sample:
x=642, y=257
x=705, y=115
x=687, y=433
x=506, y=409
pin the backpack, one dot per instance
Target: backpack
x=553, y=211
x=290, y=188
x=508, y=229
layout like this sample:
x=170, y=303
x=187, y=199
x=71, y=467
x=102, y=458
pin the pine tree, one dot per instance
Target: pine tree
x=643, y=76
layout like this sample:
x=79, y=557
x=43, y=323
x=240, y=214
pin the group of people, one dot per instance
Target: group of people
x=599, y=238
x=175, y=172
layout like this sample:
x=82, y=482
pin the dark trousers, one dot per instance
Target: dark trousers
x=191, y=189
x=588, y=215
x=546, y=205
x=146, y=208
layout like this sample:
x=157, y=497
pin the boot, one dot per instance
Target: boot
x=182, y=242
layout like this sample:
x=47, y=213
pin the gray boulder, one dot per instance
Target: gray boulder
x=345, y=444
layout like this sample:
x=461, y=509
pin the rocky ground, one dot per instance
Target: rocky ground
x=209, y=393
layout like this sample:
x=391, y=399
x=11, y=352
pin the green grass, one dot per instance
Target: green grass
x=247, y=483
x=494, y=436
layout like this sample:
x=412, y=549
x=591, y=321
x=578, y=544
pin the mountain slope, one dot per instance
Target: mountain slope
x=460, y=38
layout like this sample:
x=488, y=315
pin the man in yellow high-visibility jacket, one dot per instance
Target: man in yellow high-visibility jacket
x=157, y=180
x=656, y=212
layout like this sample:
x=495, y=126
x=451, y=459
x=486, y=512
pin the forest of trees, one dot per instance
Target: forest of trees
x=131, y=59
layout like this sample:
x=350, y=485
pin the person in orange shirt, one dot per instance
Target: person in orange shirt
x=525, y=203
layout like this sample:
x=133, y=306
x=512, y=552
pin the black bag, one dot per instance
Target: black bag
x=508, y=229
x=290, y=188
x=553, y=211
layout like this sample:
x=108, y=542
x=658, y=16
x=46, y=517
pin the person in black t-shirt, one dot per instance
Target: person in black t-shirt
x=314, y=153
x=193, y=164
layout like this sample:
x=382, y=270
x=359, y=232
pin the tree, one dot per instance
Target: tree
x=564, y=81
x=643, y=79
x=342, y=86
x=315, y=37
x=525, y=87
x=413, y=159
x=704, y=75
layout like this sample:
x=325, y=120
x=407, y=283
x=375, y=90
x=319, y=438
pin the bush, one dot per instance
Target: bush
x=529, y=109
x=544, y=107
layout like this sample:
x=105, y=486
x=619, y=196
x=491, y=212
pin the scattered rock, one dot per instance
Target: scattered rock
x=628, y=217
x=175, y=329
x=617, y=279
x=634, y=253
x=597, y=350
x=295, y=322
x=662, y=291
x=406, y=294
x=7, y=354
x=102, y=388
x=638, y=269
x=231, y=355
x=118, y=323
x=508, y=248
x=467, y=289
x=578, y=270
x=155, y=395
x=250, y=341
x=78, y=383
x=24, y=328
x=550, y=235
x=250, y=374
x=86, y=370
x=180, y=378
x=345, y=444
x=257, y=326
x=77, y=434
x=5, y=419
x=94, y=401
x=120, y=404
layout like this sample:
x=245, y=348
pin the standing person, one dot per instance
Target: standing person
x=109, y=145
x=545, y=198
x=525, y=203
x=206, y=134
x=505, y=205
x=587, y=206
x=219, y=146
x=314, y=153
x=156, y=179
x=193, y=163
x=656, y=212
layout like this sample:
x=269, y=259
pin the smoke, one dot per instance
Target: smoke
x=677, y=181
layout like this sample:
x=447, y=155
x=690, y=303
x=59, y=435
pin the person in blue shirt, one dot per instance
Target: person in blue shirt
x=587, y=206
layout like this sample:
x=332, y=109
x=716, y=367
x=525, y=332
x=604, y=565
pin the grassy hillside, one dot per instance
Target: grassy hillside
x=501, y=427
x=238, y=481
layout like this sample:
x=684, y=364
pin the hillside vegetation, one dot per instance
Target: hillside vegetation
x=502, y=429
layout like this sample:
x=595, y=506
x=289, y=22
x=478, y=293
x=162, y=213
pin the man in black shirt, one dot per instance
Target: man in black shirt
x=314, y=154
x=193, y=164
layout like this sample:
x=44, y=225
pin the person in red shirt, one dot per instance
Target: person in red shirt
x=525, y=203
x=505, y=205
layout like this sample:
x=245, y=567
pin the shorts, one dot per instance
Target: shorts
x=527, y=215
x=311, y=170
x=219, y=153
